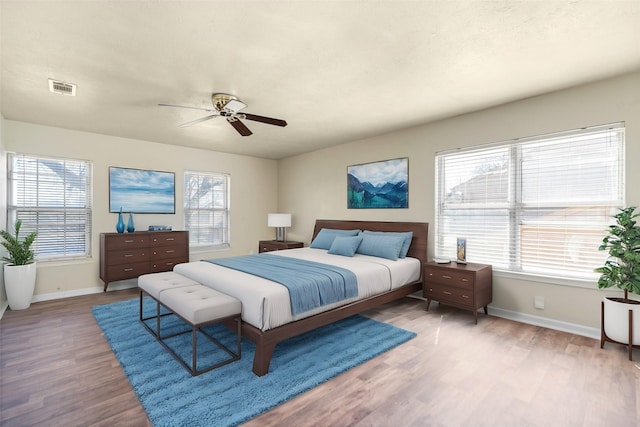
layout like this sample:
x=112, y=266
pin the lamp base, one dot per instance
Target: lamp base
x=280, y=234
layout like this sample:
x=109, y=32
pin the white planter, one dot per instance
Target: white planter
x=616, y=321
x=19, y=282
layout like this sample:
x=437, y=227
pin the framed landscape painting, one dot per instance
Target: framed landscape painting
x=383, y=184
x=141, y=191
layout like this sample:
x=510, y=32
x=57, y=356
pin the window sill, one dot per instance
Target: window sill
x=547, y=279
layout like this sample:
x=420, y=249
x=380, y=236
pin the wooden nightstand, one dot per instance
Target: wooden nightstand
x=278, y=245
x=465, y=286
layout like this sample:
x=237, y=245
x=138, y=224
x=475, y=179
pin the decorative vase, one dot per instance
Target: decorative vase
x=20, y=282
x=120, y=224
x=130, y=227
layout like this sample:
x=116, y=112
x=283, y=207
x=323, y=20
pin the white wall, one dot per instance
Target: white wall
x=253, y=194
x=314, y=185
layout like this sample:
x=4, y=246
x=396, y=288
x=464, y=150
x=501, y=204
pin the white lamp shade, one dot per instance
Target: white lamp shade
x=279, y=220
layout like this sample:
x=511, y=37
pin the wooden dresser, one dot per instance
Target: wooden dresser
x=129, y=255
x=465, y=286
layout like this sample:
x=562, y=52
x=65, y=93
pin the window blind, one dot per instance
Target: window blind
x=537, y=205
x=206, y=208
x=52, y=197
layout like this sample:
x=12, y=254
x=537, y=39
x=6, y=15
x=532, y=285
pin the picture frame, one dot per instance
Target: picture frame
x=378, y=185
x=141, y=191
x=461, y=250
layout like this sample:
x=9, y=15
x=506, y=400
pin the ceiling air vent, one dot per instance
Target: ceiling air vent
x=62, y=88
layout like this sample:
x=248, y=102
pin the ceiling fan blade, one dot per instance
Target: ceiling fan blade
x=201, y=119
x=263, y=119
x=239, y=126
x=235, y=105
x=185, y=106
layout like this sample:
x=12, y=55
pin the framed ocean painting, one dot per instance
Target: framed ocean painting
x=141, y=191
x=383, y=184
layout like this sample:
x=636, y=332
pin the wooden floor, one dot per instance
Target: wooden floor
x=56, y=369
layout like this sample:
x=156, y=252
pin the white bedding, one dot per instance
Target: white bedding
x=266, y=304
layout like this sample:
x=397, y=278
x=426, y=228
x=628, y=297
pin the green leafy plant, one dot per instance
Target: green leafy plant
x=622, y=268
x=20, y=252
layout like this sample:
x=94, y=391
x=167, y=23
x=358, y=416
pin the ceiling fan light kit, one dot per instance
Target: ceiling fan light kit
x=229, y=106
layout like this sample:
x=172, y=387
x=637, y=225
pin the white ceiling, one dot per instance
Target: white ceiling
x=336, y=71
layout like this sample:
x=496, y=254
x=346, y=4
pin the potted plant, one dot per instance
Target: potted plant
x=621, y=316
x=20, y=270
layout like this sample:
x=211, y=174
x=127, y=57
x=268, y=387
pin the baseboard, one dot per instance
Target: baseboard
x=545, y=322
x=80, y=292
x=530, y=319
x=73, y=293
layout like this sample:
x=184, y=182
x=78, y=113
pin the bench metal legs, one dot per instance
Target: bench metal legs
x=195, y=328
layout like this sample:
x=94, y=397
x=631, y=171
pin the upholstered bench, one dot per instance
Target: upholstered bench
x=153, y=284
x=196, y=305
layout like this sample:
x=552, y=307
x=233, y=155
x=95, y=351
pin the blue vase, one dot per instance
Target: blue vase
x=130, y=227
x=120, y=224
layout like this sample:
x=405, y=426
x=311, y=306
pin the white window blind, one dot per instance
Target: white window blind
x=206, y=209
x=538, y=205
x=53, y=197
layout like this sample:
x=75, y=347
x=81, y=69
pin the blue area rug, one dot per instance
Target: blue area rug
x=232, y=394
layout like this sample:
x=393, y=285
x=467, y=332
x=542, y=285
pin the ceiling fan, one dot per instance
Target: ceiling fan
x=229, y=106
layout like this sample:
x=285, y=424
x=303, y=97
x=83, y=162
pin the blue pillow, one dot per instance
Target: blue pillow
x=381, y=246
x=345, y=246
x=407, y=239
x=325, y=237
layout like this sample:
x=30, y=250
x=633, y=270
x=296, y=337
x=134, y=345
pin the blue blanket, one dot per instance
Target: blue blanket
x=311, y=284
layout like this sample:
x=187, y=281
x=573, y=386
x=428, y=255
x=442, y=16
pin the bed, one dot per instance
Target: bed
x=267, y=317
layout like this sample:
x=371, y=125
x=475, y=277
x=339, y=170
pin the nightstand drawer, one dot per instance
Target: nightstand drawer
x=449, y=277
x=448, y=294
x=278, y=245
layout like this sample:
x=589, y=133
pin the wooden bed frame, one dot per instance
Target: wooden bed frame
x=266, y=341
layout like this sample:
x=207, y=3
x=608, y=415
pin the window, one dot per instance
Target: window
x=206, y=209
x=538, y=205
x=52, y=197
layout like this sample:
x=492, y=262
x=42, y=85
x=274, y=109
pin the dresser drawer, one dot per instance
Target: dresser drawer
x=125, y=241
x=448, y=294
x=164, y=265
x=175, y=238
x=127, y=271
x=165, y=252
x=449, y=277
x=128, y=256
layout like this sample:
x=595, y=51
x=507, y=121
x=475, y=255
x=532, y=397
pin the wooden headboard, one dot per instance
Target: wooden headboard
x=418, y=248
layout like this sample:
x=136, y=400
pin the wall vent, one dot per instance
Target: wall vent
x=62, y=88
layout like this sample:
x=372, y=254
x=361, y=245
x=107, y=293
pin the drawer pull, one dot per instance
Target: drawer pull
x=446, y=293
x=446, y=277
x=128, y=269
x=128, y=255
x=129, y=241
x=465, y=280
x=170, y=252
x=465, y=296
x=170, y=239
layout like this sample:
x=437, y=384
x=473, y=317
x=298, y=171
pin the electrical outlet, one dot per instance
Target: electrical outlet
x=538, y=302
